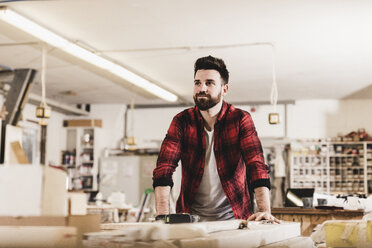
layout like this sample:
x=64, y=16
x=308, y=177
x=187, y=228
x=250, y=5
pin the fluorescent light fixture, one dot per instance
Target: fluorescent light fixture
x=55, y=40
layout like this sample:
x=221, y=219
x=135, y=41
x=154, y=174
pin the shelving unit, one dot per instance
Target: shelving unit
x=335, y=167
x=368, y=171
x=83, y=149
x=309, y=171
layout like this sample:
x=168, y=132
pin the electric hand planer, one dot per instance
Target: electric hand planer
x=177, y=218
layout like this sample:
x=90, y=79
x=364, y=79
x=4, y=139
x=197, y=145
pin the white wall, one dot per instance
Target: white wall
x=261, y=120
x=313, y=119
x=152, y=124
x=148, y=125
x=307, y=119
x=112, y=116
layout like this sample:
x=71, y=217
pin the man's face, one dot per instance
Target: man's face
x=209, y=89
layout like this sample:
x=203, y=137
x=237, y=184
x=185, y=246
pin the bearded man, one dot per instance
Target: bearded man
x=220, y=152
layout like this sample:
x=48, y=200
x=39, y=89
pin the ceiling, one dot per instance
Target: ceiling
x=322, y=47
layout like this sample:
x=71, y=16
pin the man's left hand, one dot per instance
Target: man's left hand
x=263, y=216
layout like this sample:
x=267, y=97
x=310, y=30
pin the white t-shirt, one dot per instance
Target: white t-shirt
x=210, y=202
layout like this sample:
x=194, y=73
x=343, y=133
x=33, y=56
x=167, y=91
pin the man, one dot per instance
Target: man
x=218, y=147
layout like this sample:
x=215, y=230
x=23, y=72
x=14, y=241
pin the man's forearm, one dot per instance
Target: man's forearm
x=162, y=199
x=263, y=199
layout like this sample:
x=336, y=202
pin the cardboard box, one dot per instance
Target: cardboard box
x=34, y=221
x=82, y=123
x=38, y=236
x=85, y=224
x=77, y=203
x=32, y=190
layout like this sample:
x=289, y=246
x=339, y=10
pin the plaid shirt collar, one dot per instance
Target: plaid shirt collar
x=220, y=116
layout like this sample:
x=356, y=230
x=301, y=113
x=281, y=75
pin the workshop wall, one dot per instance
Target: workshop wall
x=112, y=116
x=306, y=119
x=151, y=125
x=314, y=119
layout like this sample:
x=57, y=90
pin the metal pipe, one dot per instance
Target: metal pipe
x=177, y=105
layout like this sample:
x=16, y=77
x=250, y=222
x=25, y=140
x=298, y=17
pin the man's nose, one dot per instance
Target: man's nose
x=203, y=87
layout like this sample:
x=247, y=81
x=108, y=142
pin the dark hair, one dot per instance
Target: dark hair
x=212, y=63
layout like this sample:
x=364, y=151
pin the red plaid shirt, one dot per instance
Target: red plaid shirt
x=237, y=150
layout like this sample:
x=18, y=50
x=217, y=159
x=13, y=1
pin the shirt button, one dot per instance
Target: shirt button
x=219, y=168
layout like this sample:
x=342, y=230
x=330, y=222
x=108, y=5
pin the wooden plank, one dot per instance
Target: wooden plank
x=203, y=234
x=37, y=236
x=83, y=123
x=19, y=153
x=295, y=210
x=12, y=134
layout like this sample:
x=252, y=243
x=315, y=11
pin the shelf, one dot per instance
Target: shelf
x=310, y=155
x=348, y=142
x=345, y=167
x=84, y=141
x=345, y=155
x=324, y=170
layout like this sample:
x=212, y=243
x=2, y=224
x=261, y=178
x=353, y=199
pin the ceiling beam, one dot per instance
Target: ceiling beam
x=249, y=103
x=57, y=106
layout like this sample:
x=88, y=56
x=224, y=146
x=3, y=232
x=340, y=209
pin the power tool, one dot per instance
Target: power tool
x=177, y=218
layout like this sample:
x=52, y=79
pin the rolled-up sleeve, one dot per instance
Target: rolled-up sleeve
x=251, y=149
x=169, y=155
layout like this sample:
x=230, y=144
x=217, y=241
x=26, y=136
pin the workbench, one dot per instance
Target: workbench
x=310, y=218
x=218, y=234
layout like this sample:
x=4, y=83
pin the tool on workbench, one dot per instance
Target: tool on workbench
x=177, y=218
x=145, y=202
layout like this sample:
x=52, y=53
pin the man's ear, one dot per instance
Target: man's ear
x=225, y=88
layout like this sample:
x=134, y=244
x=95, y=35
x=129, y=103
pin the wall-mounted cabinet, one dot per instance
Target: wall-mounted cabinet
x=81, y=157
x=333, y=167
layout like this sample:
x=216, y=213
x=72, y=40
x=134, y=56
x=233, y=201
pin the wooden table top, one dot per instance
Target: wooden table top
x=299, y=210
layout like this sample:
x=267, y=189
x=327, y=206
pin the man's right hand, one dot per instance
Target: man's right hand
x=162, y=199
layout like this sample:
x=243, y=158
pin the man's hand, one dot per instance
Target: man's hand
x=263, y=216
x=263, y=205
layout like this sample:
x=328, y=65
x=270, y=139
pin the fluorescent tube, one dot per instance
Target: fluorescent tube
x=55, y=40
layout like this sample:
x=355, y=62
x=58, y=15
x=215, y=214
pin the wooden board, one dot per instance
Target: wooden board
x=12, y=134
x=19, y=153
x=203, y=234
x=82, y=123
x=37, y=236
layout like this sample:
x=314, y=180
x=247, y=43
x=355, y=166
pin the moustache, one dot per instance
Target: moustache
x=203, y=94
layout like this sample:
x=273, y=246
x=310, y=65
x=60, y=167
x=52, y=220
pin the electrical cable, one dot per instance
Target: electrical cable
x=274, y=86
x=43, y=68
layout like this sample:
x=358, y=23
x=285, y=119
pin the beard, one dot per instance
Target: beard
x=206, y=103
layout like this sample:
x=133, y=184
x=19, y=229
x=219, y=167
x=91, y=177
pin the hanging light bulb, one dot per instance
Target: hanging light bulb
x=131, y=141
x=43, y=111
